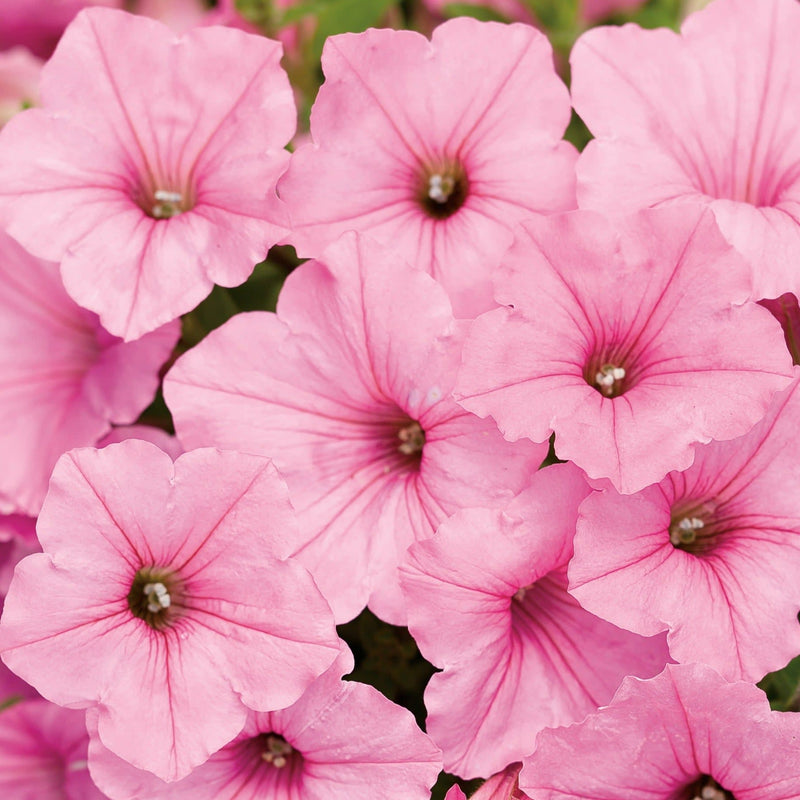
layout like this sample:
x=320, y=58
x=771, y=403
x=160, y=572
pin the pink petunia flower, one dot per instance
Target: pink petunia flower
x=684, y=735
x=19, y=82
x=38, y=24
x=488, y=604
x=163, y=603
x=43, y=753
x=432, y=150
x=631, y=340
x=348, y=389
x=711, y=116
x=340, y=741
x=711, y=554
x=149, y=184
x=63, y=378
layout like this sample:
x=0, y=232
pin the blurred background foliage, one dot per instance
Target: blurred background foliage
x=386, y=656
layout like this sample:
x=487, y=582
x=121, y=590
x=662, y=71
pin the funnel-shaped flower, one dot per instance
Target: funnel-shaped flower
x=433, y=150
x=684, y=735
x=488, y=603
x=341, y=740
x=150, y=170
x=163, y=602
x=631, y=339
x=348, y=388
x=711, y=116
x=711, y=554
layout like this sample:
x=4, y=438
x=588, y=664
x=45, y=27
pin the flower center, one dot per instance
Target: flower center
x=152, y=596
x=277, y=750
x=443, y=189
x=693, y=527
x=706, y=788
x=608, y=380
x=611, y=369
x=166, y=204
x=412, y=439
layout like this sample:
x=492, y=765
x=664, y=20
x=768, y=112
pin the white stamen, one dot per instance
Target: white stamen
x=440, y=187
x=519, y=595
x=168, y=197
x=168, y=204
x=277, y=752
x=157, y=597
x=684, y=533
x=412, y=439
x=607, y=376
x=75, y=766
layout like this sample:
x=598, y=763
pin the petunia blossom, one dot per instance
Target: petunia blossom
x=150, y=170
x=630, y=338
x=710, y=116
x=712, y=554
x=341, y=740
x=63, y=378
x=348, y=389
x=163, y=603
x=686, y=734
x=43, y=753
x=488, y=604
x=433, y=151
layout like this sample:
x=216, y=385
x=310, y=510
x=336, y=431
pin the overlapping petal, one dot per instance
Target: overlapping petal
x=725, y=584
x=488, y=603
x=151, y=184
x=396, y=110
x=240, y=628
x=348, y=389
x=710, y=116
x=632, y=341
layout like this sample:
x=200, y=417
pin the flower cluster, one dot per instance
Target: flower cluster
x=535, y=403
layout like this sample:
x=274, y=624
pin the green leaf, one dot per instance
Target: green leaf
x=347, y=16
x=555, y=15
x=476, y=11
x=297, y=12
x=217, y=308
x=783, y=687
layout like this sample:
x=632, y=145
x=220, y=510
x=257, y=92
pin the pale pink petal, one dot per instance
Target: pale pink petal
x=488, y=603
x=684, y=118
x=363, y=350
x=728, y=596
x=705, y=731
x=584, y=296
x=63, y=379
x=43, y=751
x=396, y=110
x=238, y=628
x=152, y=184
